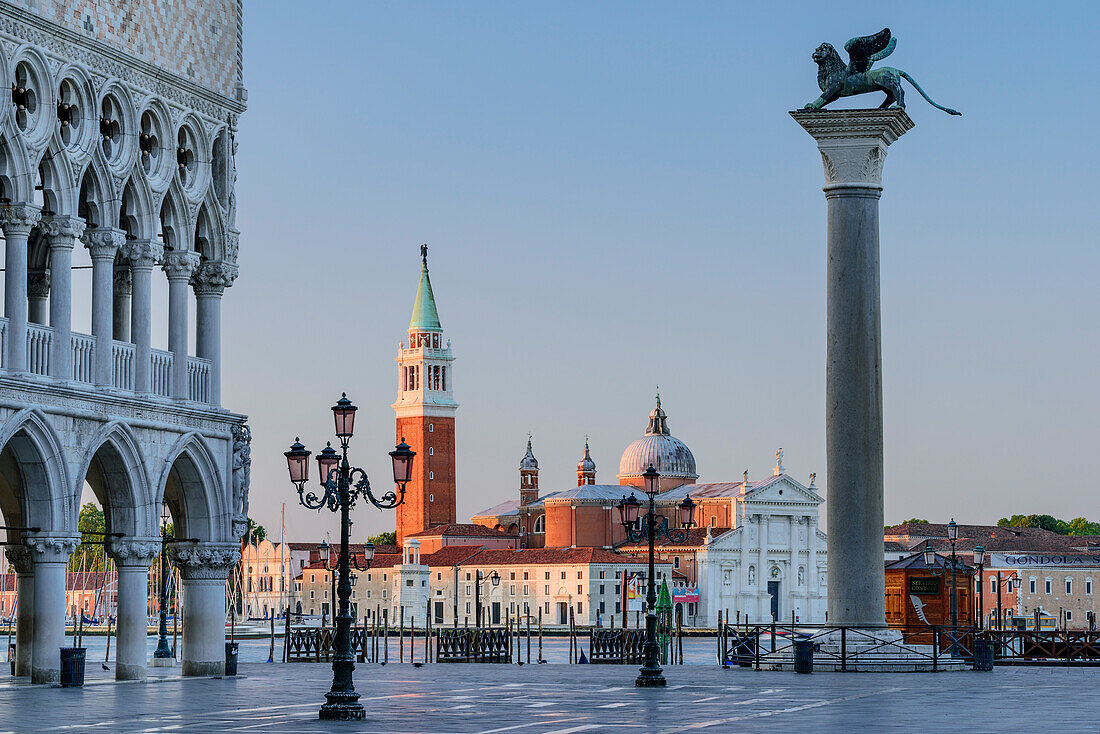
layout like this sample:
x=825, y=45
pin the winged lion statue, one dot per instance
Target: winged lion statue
x=838, y=79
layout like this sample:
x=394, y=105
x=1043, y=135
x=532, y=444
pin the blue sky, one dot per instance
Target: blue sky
x=615, y=197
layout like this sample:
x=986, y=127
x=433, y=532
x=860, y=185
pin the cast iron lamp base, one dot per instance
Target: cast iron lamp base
x=342, y=707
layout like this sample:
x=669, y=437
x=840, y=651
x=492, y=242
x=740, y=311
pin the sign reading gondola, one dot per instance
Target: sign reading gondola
x=924, y=585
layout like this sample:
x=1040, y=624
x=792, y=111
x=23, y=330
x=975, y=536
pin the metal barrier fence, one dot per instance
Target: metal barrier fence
x=623, y=646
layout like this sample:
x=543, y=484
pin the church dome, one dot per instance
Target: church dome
x=529, y=461
x=586, y=464
x=660, y=449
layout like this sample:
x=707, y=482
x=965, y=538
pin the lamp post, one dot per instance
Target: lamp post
x=649, y=528
x=979, y=561
x=163, y=651
x=930, y=561
x=1002, y=583
x=343, y=484
x=494, y=577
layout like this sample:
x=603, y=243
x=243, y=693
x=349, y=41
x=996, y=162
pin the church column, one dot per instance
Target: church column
x=123, y=287
x=179, y=265
x=132, y=559
x=143, y=255
x=19, y=557
x=210, y=281
x=17, y=220
x=103, y=244
x=762, y=576
x=38, y=291
x=61, y=233
x=50, y=554
x=204, y=567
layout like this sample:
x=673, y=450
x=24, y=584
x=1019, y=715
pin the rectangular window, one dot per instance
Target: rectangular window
x=1031, y=586
x=368, y=577
x=467, y=589
x=547, y=608
x=311, y=595
x=1069, y=615
x=467, y=578
x=546, y=590
x=512, y=589
x=368, y=593
x=580, y=574
x=563, y=575
x=580, y=608
x=439, y=577
x=601, y=574
x=547, y=575
x=603, y=608
x=1069, y=587
x=467, y=607
x=618, y=607
x=580, y=589
x=512, y=576
x=525, y=576
x=601, y=589
x=992, y=586
x=1088, y=586
x=408, y=582
x=1048, y=586
x=676, y=561
x=616, y=589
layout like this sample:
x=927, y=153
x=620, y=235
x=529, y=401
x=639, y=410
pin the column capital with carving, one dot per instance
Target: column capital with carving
x=142, y=254
x=213, y=277
x=103, y=242
x=19, y=219
x=38, y=283
x=124, y=281
x=20, y=558
x=62, y=230
x=51, y=548
x=205, y=560
x=180, y=264
x=853, y=143
x=134, y=551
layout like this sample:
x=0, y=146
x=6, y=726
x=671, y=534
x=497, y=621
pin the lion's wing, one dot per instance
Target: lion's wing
x=866, y=50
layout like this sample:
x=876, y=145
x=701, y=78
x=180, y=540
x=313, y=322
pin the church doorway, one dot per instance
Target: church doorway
x=563, y=613
x=496, y=612
x=773, y=591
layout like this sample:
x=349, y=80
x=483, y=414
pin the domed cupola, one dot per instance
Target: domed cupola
x=586, y=468
x=661, y=450
x=528, y=476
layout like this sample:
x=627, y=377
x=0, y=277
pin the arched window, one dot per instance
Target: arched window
x=540, y=524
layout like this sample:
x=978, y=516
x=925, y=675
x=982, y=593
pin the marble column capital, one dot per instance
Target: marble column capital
x=180, y=264
x=51, y=548
x=137, y=552
x=38, y=283
x=62, y=231
x=104, y=242
x=19, y=219
x=210, y=561
x=124, y=280
x=142, y=254
x=20, y=558
x=853, y=143
x=213, y=277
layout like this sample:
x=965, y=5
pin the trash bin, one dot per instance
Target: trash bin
x=746, y=651
x=803, y=656
x=231, y=649
x=11, y=657
x=983, y=655
x=72, y=666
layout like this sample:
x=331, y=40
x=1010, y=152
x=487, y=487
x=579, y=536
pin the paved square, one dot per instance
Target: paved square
x=560, y=699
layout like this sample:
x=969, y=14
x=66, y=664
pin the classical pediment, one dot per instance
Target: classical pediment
x=783, y=489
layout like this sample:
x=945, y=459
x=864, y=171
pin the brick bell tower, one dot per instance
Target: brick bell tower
x=425, y=410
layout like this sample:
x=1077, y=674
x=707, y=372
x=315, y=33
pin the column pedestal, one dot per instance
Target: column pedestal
x=853, y=147
x=132, y=559
x=204, y=569
x=50, y=554
x=20, y=559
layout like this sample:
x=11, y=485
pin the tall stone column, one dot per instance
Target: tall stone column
x=103, y=244
x=179, y=265
x=853, y=149
x=210, y=281
x=132, y=559
x=50, y=554
x=143, y=255
x=121, y=314
x=204, y=568
x=16, y=220
x=38, y=292
x=62, y=234
x=19, y=557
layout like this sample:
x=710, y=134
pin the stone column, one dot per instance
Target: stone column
x=853, y=149
x=50, y=554
x=204, y=568
x=132, y=558
x=16, y=220
x=142, y=255
x=38, y=291
x=763, y=599
x=121, y=314
x=179, y=265
x=61, y=234
x=103, y=244
x=210, y=281
x=19, y=557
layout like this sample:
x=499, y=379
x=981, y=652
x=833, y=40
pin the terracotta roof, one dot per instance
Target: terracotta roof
x=450, y=555
x=991, y=537
x=696, y=539
x=916, y=562
x=548, y=556
x=1003, y=542
x=461, y=530
x=893, y=546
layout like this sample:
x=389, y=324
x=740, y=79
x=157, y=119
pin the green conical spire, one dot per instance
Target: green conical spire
x=425, y=317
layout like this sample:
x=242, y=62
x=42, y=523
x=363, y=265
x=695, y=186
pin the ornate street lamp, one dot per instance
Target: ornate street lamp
x=163, y=652
x=648, y=528
x=343, y=484
x=494, y=578
x=979, y=561
x=930, y=561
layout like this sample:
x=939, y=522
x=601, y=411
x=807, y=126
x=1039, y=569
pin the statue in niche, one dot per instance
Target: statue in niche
x=242, y=476
x=752, y=575
x=801, y=576
x=838, y=79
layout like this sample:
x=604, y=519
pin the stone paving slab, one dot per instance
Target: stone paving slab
x=563, y=699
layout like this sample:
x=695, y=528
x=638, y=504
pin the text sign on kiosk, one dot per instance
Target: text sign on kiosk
x=924, y=585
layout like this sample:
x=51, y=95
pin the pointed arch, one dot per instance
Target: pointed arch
x=137, y=213
x=16, y=178
x=177, y=233
x=191, y=485
x=208, y=240
x=32, y=465
x=114, y=467
x=96, y=203
x=55, y=176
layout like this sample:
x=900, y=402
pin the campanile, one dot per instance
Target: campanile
x=425, y=410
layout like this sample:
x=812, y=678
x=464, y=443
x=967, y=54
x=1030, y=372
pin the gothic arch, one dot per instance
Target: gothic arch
x=136, y=211
x=192, y=487
x=55, y=176
x=16, y=179
x=33, y=468
x=95, y=202
x=114, y=467
x=175, y=224
x=208, y=240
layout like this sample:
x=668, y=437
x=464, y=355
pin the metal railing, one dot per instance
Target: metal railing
x=623, y=646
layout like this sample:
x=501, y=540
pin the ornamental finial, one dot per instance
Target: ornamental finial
x=424, y=254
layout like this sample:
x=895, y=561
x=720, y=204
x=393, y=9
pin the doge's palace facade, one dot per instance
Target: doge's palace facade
x=119, y=137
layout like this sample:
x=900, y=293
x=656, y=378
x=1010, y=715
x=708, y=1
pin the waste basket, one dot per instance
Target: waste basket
x=72, y=666
x=11, y=657
x=803, y=656
x=231, y=649
x=983, y=655
x=746, y=651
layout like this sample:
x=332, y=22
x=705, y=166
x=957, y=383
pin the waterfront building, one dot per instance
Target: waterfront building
x=118, y=150
x=266, y=582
